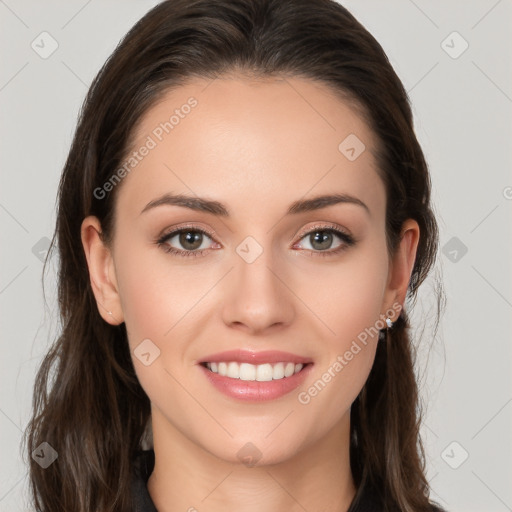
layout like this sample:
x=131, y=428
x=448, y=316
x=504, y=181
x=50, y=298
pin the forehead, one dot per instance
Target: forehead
x=251, y=142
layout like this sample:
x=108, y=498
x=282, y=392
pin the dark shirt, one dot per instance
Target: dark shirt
x=143, y=467
x=145, y=463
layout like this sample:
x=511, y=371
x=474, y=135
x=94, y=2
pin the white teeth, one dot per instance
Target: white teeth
x=223, y=369
x=264, y=372
x=289, y=370
x=260, y=372
x=247, y=371
x=233, y=370
x=278, y=371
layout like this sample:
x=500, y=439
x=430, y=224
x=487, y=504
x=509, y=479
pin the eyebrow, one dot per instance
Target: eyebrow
x=218, y=209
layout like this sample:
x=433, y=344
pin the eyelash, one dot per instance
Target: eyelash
x=345, y=237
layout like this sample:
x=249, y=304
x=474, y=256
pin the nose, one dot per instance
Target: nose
x=258, y=297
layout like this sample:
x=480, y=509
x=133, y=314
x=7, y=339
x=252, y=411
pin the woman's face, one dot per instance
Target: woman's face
x=258, y=267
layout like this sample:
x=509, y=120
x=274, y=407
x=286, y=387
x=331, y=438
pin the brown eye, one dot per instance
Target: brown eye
x=185, y=242
x=322, y=238
x=190, y=240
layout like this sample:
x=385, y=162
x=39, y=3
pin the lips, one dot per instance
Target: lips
x=271, y=388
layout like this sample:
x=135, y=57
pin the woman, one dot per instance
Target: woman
x=243, y=213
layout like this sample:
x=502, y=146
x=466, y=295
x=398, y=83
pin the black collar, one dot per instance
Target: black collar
x=144, y=464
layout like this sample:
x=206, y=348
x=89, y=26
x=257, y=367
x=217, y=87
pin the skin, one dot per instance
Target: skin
x=256, y=146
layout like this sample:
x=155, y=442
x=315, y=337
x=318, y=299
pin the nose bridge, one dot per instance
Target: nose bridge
x=257, y=297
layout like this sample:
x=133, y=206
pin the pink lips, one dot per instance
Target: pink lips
x=254, y=391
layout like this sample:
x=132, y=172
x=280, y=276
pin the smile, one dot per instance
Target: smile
x=249, y=376
x=251, y=372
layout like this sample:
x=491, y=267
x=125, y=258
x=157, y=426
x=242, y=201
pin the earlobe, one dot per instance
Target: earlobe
x=101, y=271
x=402, y=265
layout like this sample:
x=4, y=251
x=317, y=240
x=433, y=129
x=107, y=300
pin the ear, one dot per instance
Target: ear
x=101, y=271
x=400, y=268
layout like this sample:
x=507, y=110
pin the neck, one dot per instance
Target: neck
x=189, y=478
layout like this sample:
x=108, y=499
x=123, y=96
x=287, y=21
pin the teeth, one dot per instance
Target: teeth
x=251, y=372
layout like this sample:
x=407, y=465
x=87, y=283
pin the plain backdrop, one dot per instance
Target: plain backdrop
x=455, y=60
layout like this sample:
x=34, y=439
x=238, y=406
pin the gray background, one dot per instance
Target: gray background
x=462, y=105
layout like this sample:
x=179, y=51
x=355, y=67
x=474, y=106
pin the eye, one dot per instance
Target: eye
x=321, y=238
x=193, y=241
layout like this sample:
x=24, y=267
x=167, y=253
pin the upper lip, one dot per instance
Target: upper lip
x=247, y=356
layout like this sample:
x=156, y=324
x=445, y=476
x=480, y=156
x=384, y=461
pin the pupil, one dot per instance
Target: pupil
x=190, y=237
x=321, y=239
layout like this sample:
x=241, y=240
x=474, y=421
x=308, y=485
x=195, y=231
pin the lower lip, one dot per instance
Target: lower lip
x=254, y=391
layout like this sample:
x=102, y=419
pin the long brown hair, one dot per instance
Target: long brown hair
x=88, y=404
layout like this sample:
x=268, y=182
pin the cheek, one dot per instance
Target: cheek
x=159, y=303
x=156, y=293
x=346, y=297
x=349, y=304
